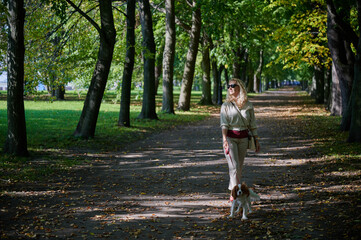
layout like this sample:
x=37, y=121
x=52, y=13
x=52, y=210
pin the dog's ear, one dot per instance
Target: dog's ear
x=245, y=189
x=234, y=191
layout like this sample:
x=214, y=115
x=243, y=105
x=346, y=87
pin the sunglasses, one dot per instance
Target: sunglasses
x=232, y=86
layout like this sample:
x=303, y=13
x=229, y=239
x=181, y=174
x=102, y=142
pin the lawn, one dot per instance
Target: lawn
x=50, y=125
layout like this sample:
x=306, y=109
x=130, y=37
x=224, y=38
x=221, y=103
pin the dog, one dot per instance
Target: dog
x=242, y=196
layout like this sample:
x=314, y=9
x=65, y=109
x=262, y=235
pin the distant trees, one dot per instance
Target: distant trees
x=263, y=43
x=311, y=45
x=301, y=28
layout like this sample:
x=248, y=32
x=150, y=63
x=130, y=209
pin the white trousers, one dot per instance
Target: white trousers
x=235, y=159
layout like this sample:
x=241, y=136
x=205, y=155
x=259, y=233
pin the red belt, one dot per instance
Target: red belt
x=237, y=134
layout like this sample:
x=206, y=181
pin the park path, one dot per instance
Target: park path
x=173, y=185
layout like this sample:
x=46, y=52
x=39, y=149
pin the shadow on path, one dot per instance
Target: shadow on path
x=174, y=185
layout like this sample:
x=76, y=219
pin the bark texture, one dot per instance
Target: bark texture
x=237, y=63
x=148, y=105
x=187, y=79
x=16, y=140
x=124, y=113
x=168, y=58
x=339, y=42
x=319, y=76
x=215, y=81
x=89, y=116
x=336, y=100
x=257, y=74
x=206, y=67
x=355, y=103
x=244, y=66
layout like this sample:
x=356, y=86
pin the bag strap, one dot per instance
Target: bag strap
x=240, y=114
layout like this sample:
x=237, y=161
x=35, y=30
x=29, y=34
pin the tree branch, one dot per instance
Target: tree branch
x=121, y=11
x=177, y=21
x=86, y=16
x=189, y=3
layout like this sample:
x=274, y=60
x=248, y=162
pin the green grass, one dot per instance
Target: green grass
x=50, y=126
x=330, y=142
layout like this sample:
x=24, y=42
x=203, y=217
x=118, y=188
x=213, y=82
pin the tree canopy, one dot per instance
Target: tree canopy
x=264, y=43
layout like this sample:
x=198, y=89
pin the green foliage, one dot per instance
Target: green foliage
x=58, y=6
x=300, y=27
x=61, y=46
x=3, y=36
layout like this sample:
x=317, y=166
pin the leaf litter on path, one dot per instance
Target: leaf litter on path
x=173, y=185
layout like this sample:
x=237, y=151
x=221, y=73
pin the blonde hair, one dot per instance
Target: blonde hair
x=242, y=98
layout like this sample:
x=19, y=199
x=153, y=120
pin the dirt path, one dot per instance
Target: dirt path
x=173, y=185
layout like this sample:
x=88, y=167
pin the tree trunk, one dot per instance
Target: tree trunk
x=355, y=104
x=257, y=75
x=58, y=91
x=226, y=77
x=206, y=67
x=343, y=59
x=88, y=119
x=16, y=141
x=157, y=73
x=57, y=87
x=267, y=84
x=158, y=67
x=219, y=88
x=244, y=66
x=320, y=84
x=215, y=82
x=124, y=114
x=249, y=77
x=148, y=105
x=328, y=81
x=237, y=63
x=336, y=100
x=168, y=58
x=187, y=80
x=312, y=88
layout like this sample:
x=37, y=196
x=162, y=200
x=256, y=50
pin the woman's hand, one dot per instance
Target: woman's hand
x=258, y=146
x=226, y=146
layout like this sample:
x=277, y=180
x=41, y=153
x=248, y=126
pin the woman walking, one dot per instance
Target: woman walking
x=237, y=118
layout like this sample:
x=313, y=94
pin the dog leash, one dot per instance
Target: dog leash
x=232, y=164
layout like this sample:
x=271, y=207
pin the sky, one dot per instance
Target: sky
x=3, y=77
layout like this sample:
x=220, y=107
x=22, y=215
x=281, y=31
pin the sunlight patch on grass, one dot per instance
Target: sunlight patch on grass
x=50, y=127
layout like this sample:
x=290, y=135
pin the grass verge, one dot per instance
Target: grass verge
x=50, y=125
